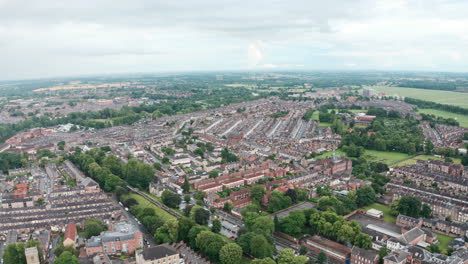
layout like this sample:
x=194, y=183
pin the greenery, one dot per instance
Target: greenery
x=67, y=258
x=441, y=97
x=462, y=119
x=171, y=199
x=387, y=216
x=14, y=254
x=94, y=227
x=410, y=206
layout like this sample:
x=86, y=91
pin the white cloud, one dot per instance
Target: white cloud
x=52, y=38
x=254, y=54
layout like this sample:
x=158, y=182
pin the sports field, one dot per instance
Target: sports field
x=386, y=157
x=462, y=119
x=443, y=97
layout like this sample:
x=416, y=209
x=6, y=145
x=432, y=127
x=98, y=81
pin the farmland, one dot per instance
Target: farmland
x=442, y=97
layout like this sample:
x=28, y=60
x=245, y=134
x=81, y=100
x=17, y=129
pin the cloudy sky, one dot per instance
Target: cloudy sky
x=50, y=38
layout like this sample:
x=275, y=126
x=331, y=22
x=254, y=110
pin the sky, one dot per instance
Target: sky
x=51, y=38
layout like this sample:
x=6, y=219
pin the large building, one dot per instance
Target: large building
x=122, y=238
x=364, y=256
x=162, y=254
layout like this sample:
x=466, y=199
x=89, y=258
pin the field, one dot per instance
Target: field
x=462, y=119
x=143, y=203
x=78, y=85
x=444, y=241
x=386, y=157
x=421, y=157
x=438, y=96
x=386, y=212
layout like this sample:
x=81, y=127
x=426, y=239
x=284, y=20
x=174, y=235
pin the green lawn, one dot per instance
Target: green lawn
x=315, y=116
x=387, y=217
x=143, y=203
x=329, y=154
x=386, y=157
x=325, y=124
x=160, y=200
x=462, y=119
x=438, y=96
x=444, y=241
x=422, y=157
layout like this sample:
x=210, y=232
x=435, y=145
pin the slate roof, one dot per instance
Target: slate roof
x=161, y=251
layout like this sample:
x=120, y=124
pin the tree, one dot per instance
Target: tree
x=170, y=199
x=210, y=244
x=185, y=225
x=363, y=241
x=216, y=226
x=263, y=261
x=293, y=224
x=213, y=174
x=168, y=233
x=434, y=248
x=321, y=258
x=365, y=196
x=187, y=198
x=130, y=202
x=201, y=216
x=157, y=166
x=257, y=192
x=278, y=201
x=67, y=258
x=263, y=225
x=61, y=145
x=227, y=207
x=426, y=211
x=287, y=256
x=186, y=186
x=383, y=252
x=292, y=194
x=14, y=254
x=429, y=147
x=408, y=205
x=259, y=247
x=230, y=254
x=94, y=227
x=346, y=233
x=303, y=250
x=193, y=233
x=137, y=173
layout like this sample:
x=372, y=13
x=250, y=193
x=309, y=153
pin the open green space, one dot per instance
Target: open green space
x=444, y=241
x=315, y=116
x=422, y=157
x=387, y=217
x=324, y=124
x=160, y=200
x=462, y=119
x=143, y=203
x=386, y=157
x=438, y=96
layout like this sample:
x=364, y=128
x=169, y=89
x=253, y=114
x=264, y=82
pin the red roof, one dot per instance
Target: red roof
x=70, y=232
